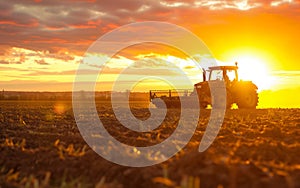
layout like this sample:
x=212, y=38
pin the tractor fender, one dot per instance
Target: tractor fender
x=243, y=85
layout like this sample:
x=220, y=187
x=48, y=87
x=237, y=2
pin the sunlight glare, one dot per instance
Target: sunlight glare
x=59, y=108
x=254, y=69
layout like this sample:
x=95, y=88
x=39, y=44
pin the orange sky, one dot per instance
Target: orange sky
x=42, y=42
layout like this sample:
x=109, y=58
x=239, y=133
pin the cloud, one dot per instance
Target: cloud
x=189, y=67
x=20, y=56
x=7, y=68
x=4, y=62
x=41, y=62
x=153, y=62
x=280, y=2
x=223, y=4
x=74, y=25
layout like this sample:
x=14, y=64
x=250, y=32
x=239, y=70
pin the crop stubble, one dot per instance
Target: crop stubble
x=40, y=144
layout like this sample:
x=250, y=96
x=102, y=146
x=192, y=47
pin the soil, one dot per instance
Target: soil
x=40, y=146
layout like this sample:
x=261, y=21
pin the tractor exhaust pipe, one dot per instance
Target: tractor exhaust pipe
x=204, y=74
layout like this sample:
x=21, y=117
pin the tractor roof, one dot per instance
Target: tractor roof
x=223, y=68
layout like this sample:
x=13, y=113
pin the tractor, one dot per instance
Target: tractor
x=235, y=91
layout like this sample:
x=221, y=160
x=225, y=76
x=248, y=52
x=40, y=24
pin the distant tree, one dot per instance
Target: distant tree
x=2, y=95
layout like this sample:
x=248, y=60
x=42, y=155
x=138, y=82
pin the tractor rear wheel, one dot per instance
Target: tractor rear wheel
x=247, y=99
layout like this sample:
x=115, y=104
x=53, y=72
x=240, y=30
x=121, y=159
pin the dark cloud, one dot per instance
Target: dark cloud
x=4, y=62
x=10, y=62
x=41, y=62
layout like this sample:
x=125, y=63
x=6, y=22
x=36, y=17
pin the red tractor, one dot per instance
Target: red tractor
x=242, y=93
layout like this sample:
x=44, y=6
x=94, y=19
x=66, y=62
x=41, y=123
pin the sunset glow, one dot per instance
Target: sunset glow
x=254, y=69
x=41, y=52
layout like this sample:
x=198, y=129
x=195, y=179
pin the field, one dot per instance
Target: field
x=41, y=146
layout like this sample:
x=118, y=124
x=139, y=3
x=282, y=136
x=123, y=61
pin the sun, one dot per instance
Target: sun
x=254, y=69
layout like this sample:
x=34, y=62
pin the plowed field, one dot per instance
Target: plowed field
x=40, y=146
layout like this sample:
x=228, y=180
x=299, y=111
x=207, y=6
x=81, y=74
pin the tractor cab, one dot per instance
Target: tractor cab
x=243, y=93
x=223, y=73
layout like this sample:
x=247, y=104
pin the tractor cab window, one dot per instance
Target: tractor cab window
x=227, y=75
x=231, y=75
x=216, y=75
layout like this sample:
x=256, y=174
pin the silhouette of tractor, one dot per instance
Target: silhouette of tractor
x=220, y=78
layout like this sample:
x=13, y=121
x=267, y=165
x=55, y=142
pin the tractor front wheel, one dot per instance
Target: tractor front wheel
x=247, y=99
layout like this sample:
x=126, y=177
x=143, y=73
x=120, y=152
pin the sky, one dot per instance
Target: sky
x=42, y=42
